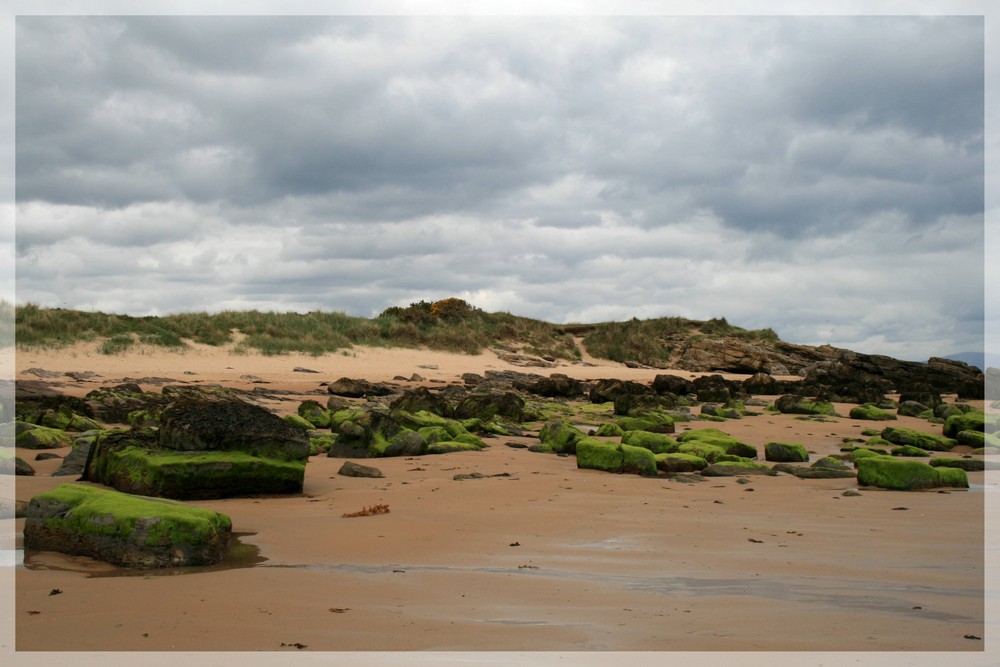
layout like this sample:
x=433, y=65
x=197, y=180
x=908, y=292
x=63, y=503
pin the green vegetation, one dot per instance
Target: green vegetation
x=450, y=324
x=905, y=475
x=88, y=509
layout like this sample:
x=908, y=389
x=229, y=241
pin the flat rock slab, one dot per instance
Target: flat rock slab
x=127, y=530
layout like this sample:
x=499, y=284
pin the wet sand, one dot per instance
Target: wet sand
x=535, y=556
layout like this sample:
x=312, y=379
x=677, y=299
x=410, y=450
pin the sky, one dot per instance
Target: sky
x=819, y=175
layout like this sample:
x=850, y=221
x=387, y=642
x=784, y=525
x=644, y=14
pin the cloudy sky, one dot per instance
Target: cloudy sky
x=823, y=176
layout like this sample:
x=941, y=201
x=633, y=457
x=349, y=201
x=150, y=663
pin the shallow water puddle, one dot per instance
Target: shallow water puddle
x=241, y=555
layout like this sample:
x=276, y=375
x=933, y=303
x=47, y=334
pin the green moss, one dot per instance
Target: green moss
x=712, y=436
x=869, y=432
x=871, y=412
x=878, y=442
x=189, y=475
x=909, y=450
x=638, y=461
x=42, y=437
x=807, y=407
x=338, y=417
x=969, y=465
x=94, y=511
x=657, y=443
x=315, y=414
x=705, y=450
x=785, y=452
x=654, y=422
x=449, y=446
x=865, y=452
x=903, y=474
x=678, y=462
x=905, y=436
x=953, y=477
x=561, y=436
x=299, y=422
x=599, y=455
x=974, y=420
x=974, y=439
x=610, y=430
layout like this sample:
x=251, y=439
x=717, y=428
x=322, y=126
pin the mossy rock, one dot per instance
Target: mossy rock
x=610, y=430
x=64, y=419
x=974, y=439
x=830, y=463
x=904, y=475
x=11, y=464
x=785, y=452
x=953, y=477
x=969, y=465
x=864, y=452
x=704, y=450
x=737, y=468
x=974, y=420
x=144, y=417
x=449, y=446
x=905, y=436
x=314, y=413
x=913, y=409
x=797, y=405
x=654, y=422
x=910, y=450
x=869, y=432
x=878, y=442
x=487, y=406
x=491, y=427
x=871, y=412
x=338, y=417
x=607, y=456
x=123, y=529
x=823, y=473
x=125, y=462
x=300, y=422
x=678, y=462
x=41, y=437
x=320, y=444
x=413, y=443
x=658, y=443
x=561, y=436
x=712, y=436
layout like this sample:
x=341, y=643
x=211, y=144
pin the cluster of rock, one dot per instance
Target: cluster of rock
x=182, y=443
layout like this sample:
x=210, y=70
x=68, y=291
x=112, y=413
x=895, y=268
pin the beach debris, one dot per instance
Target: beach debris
x=478, y=475
x=55, y=591
x=297, y=645
x=339, y=610
x=515, y=544
x=367, y=511
x=750, y=539
x=972, y=637
x=300, y=369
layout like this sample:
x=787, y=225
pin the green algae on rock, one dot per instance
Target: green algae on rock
x=872, y=413
x=785, y=452
x=898, y=435
x=123, y=529
x=905, y=475
x=609, y=457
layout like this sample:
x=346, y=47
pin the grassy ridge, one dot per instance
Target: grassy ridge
x=448, y=325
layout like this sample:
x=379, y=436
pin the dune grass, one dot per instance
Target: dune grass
x=450, y=325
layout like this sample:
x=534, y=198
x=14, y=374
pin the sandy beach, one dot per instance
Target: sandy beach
x=533, y=555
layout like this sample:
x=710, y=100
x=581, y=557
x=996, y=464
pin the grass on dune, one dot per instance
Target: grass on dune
x=448, y=325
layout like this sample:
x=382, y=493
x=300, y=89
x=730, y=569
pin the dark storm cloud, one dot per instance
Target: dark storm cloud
x=633, y=166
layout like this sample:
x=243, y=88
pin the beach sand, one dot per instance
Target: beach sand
x=535, y=556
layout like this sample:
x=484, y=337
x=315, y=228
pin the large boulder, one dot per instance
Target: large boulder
x=123, y=529
x=132, y=462
x=712, y=436
x=201, y=426
x=30, y=436
x=671, y=384
x=557, y=385
x=486, y=406
x=421, y=399
x=606, y=391
x=798, y=405
x=898, y=435
x=785, y=452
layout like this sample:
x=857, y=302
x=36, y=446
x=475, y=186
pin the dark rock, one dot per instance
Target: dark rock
x=487, y=406
x=358, y=388
x=46, y=456
x=638, y=404
x=731, y=469
x=406, y=443
x=557, y=385
x=351, y=469
x=671, y=384
x=606, y=391
x=762, y=383
x=911, y=408
x=230, y=425
x=823, y=473
x=421, y=398
x=713, y=389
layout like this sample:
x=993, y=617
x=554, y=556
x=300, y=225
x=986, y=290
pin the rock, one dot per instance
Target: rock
x=11, y=464
x=671, y=384
x=486, y=406
x=822, y=473
x=657, y=443
x=783, y=452
x=906, y=475
x=898, y=435
x=871, y=412
x=406, y=443
x=525, y=360
x=909, y=450
x=728, y=443
x=678, y=462
x=198, y=426
x=638, y=404
x=911, y=408
x=974, y=420
x=920, y=392
x=797, y=405
x=358, y=388
x=736, y=468
x=830, y=463
x=351, y=469
x=124, y=530
x=712, y=389
x=561, y=437
x=557, y=385
x=606, y=391
x=968, y=465
x=314, y=413
x=133, y=462
x=74, y=462
x=733, y=355
x=46, y=456
x=41, y=437
x=598, y=455
x=113, y=404
x=421, y=399
x=762, y=383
